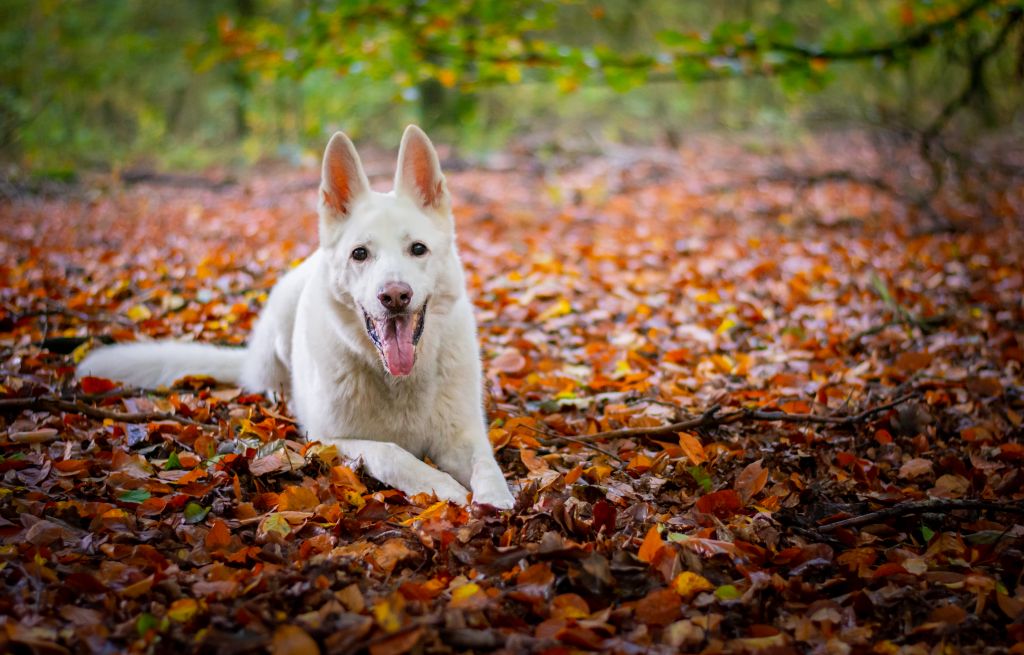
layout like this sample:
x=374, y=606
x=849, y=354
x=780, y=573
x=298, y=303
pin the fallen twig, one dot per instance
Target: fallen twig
x=548, y=436
x=926, y=325
x=77, y=407
x=711, y=418
x=922, y=507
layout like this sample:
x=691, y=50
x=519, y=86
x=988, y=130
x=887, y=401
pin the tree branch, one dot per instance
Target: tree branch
x=922, y=507
x=711, y=418
x=922, y=38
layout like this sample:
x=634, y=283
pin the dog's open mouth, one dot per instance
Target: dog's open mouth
x=396, y=336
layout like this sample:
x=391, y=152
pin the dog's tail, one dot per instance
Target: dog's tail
x=159, y=364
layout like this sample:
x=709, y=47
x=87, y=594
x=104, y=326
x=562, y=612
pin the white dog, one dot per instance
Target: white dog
x=373, y=336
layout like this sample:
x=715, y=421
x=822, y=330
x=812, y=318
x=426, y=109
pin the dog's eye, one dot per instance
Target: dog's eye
x=418, y=249
x=360, y=253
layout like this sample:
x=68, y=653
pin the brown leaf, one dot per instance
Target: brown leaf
x=660, y=607
x=915, y=468
x=292, y=640
x=751, y=480
x=390, y=553
x=282, y=459
x=400, y=643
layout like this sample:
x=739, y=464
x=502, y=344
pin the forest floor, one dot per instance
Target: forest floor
x=824, y=406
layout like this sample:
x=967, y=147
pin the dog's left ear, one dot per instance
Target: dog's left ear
x=419, y=173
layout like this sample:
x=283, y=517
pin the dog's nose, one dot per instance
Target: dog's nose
x=395, y=296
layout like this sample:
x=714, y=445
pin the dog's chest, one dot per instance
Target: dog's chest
x=363, y=404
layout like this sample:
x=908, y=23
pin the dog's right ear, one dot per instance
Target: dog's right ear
x=342, y=180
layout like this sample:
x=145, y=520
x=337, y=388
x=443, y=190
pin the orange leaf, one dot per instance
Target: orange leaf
x=191, y=476
x=71, y=466
x=572, y=476
x=693, y=448
x=569, y=606
x=297, y=498
x=651, y=545
x=346, y=477
x=219, y=537
x=639, y=464
x=533, y=461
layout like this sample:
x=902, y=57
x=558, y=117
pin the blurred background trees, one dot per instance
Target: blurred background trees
x=115, y=83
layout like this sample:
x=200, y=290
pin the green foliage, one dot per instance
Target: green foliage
x=197, y=81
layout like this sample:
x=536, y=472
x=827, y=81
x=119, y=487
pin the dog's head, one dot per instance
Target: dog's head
x=391, y=256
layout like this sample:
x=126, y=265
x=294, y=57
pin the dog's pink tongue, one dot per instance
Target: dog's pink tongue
x=399, y=352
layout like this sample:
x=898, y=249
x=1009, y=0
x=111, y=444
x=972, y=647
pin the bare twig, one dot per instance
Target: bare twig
x=711, y=418
x=926, y=324
x=548, y=436
x=922, y=507
x=77, y=407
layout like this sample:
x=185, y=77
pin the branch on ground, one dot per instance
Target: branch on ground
x=922, y=507
x=712, y=419
x=48, y=404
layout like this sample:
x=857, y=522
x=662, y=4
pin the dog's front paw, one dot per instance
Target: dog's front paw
x=495, y=494
x=448, y=490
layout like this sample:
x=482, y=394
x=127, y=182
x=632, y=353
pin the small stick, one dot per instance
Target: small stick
x=921, y=507
x=77, y=407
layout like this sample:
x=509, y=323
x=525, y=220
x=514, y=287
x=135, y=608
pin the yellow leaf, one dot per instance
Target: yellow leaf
x=560, y=308
x=275, y=522
x=79, y=353
x=388, y=613
x=353, y=498
x=434, y=510
x=567, y=84
x=139, y=313
x=724, y=363
x=597, y=473
x=688, y=583
x=183, y=609
x=468, y=596
x=513, y=74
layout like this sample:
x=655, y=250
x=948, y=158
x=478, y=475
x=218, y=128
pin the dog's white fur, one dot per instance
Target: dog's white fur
x=312, y=341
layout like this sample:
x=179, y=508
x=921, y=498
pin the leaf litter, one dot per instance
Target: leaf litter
x=201, y=518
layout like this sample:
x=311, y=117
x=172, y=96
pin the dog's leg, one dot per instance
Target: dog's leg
x=397, y=467
x=470, y=460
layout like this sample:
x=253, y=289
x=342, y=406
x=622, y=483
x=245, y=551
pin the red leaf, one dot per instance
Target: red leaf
x=604, y=517
x=97, y=385
x=722, y=503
